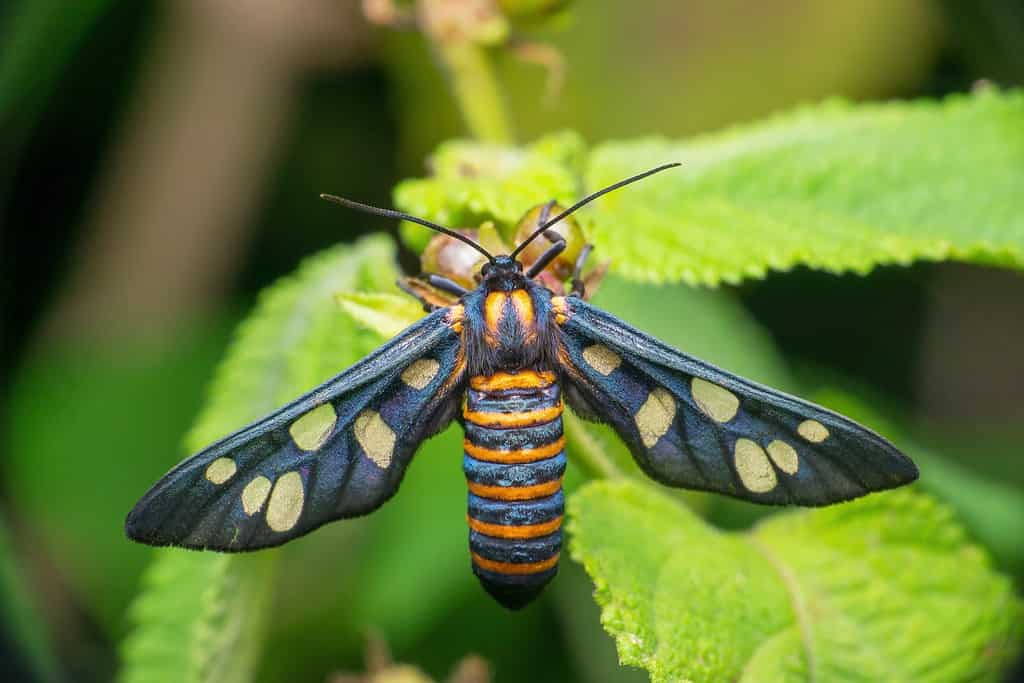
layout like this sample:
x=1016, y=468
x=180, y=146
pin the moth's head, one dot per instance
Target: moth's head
x=502, y=270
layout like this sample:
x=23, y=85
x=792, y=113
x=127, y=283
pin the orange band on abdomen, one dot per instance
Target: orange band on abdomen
x=514, y=457
x=506, y=420
x=524, y=379
x=548, y=488
x=512, y=531
x=513, y=568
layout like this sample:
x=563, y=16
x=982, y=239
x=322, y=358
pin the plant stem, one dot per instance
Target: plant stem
x=476, y=91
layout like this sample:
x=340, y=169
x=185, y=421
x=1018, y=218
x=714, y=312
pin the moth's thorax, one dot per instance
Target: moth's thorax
x=509, y=327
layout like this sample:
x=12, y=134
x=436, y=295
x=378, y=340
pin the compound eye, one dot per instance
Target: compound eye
x=519, y=266
x=486, y=270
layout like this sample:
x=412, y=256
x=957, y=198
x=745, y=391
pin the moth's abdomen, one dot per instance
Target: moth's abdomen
x=514, y=461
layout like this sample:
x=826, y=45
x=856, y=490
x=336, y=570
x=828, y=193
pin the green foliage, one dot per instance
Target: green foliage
x=472, y=182
x=201, y=616
x=385, y=314
x=838, y=187
x=884, y=588
x=593, y=651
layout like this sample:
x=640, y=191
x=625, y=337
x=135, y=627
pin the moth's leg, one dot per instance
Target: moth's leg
x=427, y=305
x=552, y=252
x=578, y=288
x=557, y=242
x=445, y=285
x=545, y=213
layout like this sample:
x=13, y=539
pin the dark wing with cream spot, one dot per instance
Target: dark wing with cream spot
x=693, y=425
x=339, y=451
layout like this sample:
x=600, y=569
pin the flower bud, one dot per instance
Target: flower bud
x=453, y=259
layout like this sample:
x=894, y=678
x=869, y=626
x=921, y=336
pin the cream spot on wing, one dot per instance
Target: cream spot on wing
x=311, y=430
x=375, y=436
x=286, y=501
x=419, y=374
x=655, y=416
x=220, y=470
x=813, y=431
x=255, y=494
x=717, y=403
x=752, y=464
x=602, y=359
x=784, y=456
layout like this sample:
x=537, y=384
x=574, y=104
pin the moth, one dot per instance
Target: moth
x=503, y=358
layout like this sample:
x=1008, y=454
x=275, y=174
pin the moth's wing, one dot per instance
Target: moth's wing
x=339, y=451
x=693, y=425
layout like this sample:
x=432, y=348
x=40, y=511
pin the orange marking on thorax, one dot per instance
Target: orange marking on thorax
x=512, y=531
x=455, y=316
x=494, y=308
x=514, y=568
x=524, y=419
x=548, y=488
x=514, y=457
x=561, y=308
x=524, y=379
x=460, y=367
x=523, y=305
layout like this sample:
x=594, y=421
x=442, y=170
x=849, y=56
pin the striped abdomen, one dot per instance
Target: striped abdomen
x=514, y=461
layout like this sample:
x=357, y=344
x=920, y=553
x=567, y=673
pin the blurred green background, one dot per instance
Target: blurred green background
x=161, y=164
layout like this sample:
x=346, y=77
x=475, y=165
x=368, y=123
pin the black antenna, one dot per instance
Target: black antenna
x=391, y=213
x=586, y=200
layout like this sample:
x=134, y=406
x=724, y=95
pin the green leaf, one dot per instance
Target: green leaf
x=591, y=651
x=201, y=616
x=385, y=314
x=837, y=187
x=883, y=588
x=472, y=182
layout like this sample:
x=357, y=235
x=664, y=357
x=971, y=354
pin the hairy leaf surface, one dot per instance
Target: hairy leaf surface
x=884, y=588
x=838, y=187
